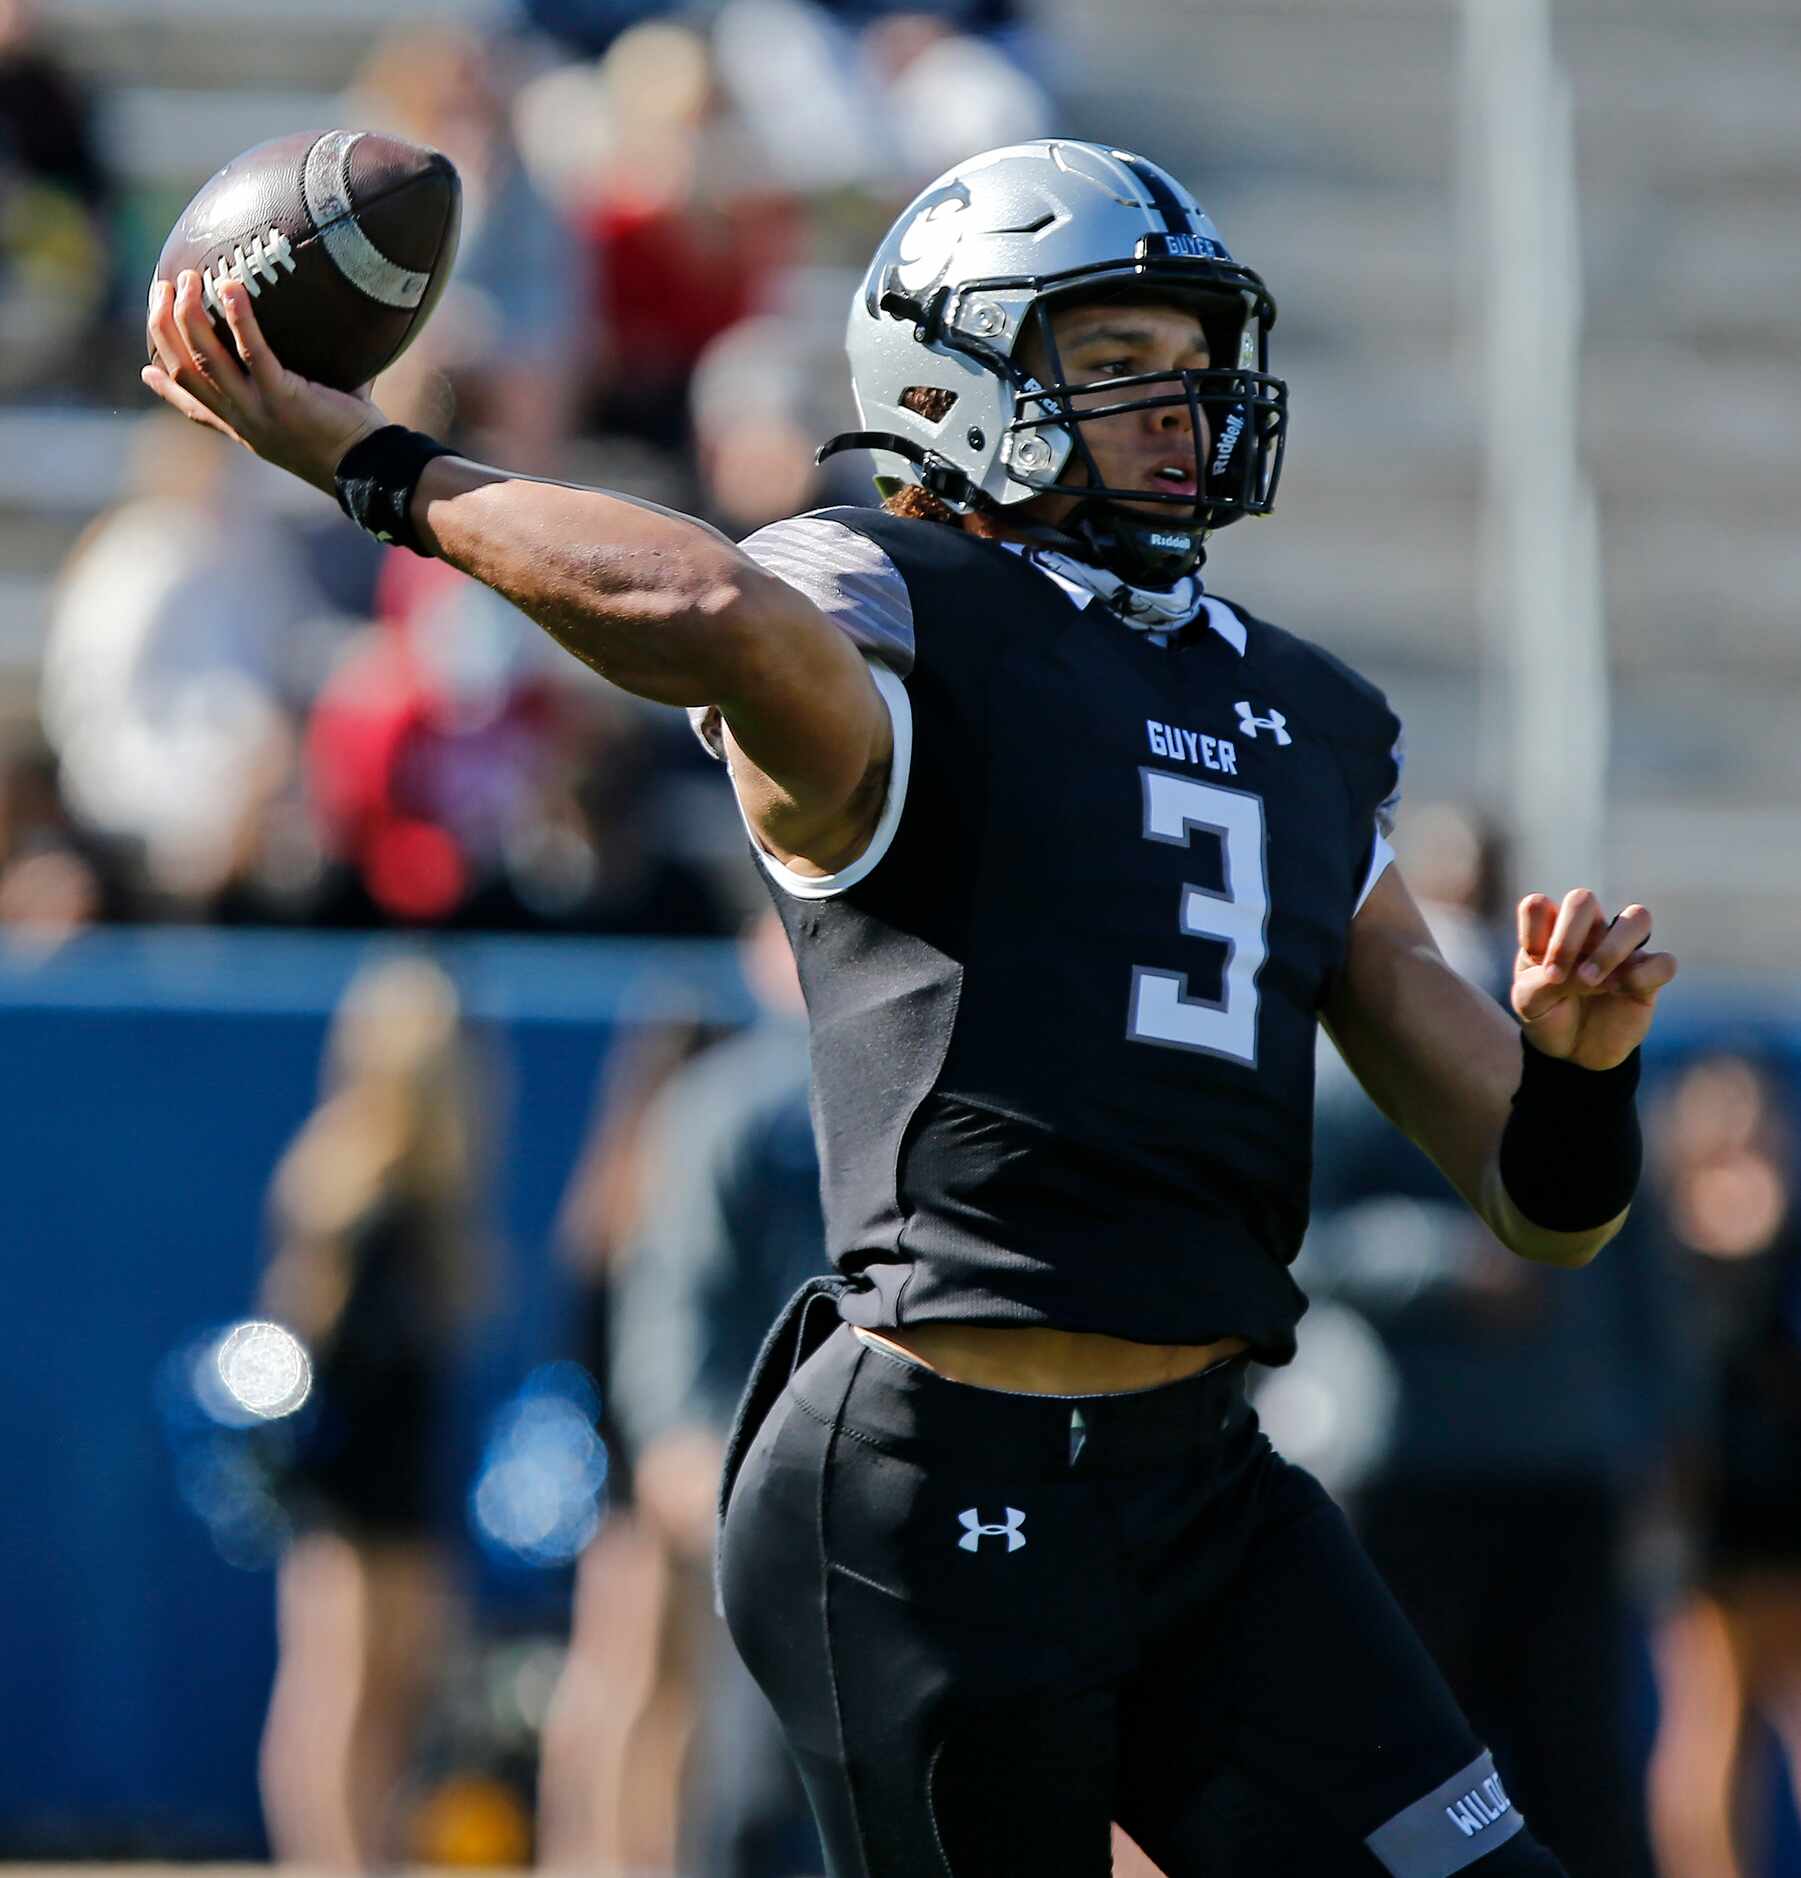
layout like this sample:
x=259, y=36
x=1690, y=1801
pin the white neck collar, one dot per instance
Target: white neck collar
x=1141, y=609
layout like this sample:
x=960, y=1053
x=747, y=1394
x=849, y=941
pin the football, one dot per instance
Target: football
x=344, y=238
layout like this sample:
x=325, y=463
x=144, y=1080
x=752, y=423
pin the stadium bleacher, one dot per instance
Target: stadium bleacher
x=1324, y=136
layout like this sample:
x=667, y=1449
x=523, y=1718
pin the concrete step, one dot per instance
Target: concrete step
x=1699, y=736
x=24, y=620
x=63, y=461
x=1352, y=264
x=1707, y=734
x=224, y=44
x=1708, y=19
x=1406, y=578
x=1728, y=283
x=180, y=135
x=34, y=546
x=1674, y=582
x=1674, y=422
x=1715, y=876
x=1689, y=93
x=1658, y=111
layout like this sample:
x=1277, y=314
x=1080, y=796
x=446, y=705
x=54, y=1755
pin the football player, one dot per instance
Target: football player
x=1074, y=857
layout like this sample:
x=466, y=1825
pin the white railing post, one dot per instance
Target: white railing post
x=1545, y=679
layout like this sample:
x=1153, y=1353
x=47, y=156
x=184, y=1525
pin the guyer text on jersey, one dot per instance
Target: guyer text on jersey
x=1189, y=746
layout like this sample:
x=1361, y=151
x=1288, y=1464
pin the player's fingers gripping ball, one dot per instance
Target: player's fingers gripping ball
x=343, y=241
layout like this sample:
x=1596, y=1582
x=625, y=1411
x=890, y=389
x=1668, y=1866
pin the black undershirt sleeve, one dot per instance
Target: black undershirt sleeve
x=1571, y=1152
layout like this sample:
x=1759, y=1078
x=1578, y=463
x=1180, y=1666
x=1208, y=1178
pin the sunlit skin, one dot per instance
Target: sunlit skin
x=1119, y=339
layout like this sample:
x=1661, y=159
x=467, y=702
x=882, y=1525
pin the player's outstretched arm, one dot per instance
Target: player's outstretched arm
x=659, y=603
x=1531, y=1121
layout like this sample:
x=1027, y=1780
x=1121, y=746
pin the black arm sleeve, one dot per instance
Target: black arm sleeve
x=1571, y=1152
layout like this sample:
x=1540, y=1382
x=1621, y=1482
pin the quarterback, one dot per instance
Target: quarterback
x=1075, y=858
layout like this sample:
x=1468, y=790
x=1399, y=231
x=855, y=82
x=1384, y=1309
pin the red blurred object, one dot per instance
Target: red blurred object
x=429, y=743
x=415, y=870
x=673, y=275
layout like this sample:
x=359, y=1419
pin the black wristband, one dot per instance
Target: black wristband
x=1571, y=1152
x=377, y=476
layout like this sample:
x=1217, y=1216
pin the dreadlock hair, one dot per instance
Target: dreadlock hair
x=933, y=403
x=918, y=505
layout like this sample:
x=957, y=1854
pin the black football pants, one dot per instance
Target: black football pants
x=992, y=1624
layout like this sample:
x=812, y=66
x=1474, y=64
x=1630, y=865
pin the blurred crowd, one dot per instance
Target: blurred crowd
x=250, y=714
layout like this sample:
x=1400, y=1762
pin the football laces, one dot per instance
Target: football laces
x=265, y=260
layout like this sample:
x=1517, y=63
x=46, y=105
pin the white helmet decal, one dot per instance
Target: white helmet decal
x=927, y=240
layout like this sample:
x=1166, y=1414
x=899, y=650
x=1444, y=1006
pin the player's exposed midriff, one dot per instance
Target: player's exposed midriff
x=1033, y=1360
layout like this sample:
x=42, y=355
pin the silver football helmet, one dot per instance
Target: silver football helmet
x=977, y=261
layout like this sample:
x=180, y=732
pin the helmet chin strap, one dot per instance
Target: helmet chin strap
x=1143, y=553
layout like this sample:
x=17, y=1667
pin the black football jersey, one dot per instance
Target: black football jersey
x=1063, y=1029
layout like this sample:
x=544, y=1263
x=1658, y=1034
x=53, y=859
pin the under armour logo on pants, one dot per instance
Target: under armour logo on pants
x=975, y=1531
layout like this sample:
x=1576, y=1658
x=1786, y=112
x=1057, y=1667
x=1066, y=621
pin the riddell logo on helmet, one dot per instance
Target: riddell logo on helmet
x=1228, y=442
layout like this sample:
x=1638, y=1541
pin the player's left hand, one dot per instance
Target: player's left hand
x=1584, y=987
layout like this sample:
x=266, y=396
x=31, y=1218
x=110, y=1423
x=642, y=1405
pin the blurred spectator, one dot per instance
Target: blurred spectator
x=587, y=27
x=427, y=745
x=729, y=1224
x=687, y=229
x=732, y=1227
x=1527, y=1409
x=949, y=92
x=987, y=17
x=795, y=78
x=56, y=263
x=739, y=171
x=463, y=779
x=1726, y=1161
x=599, y=857
x=611, y=1746
x=758, y=402
x=234, y=751
x=874, y=97
x=184, y=636
x=377, y=1267
x=505, y=336
x=591, y=26
x=54, y=878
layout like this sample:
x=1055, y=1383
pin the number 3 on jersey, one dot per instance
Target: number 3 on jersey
x=1162, y=1008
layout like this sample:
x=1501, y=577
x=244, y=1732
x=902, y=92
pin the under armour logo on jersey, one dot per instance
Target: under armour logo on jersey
x=974, y=1531
x=1276, y=724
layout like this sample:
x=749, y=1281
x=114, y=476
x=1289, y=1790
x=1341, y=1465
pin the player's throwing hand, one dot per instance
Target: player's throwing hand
x=1583, y=985
x=298, y=425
